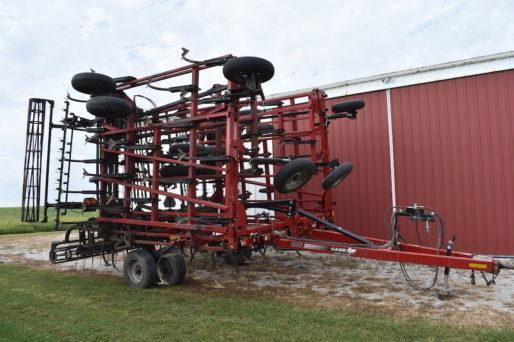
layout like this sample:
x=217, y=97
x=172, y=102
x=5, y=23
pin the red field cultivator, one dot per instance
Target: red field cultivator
x=221, y=171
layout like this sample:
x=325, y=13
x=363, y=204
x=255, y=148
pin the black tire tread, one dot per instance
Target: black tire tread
x=109, y=107
x=290, y=169
x=337, y=175
x=238, y=69
x=149, y=265
x=93, y=83
x=178, y=263
x=349, y=106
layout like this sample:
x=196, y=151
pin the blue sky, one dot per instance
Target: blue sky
x=43, y=43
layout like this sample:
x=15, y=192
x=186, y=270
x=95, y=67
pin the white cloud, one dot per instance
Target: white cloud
x=43, y=43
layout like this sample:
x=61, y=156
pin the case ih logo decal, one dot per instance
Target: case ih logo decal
x=344, y=250
x=311, y=246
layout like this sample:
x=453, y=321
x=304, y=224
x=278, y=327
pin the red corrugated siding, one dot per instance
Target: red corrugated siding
x=365, y=195
x=454, y=151
x=453, y=143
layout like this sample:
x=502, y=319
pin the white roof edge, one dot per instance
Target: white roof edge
x=437, y=72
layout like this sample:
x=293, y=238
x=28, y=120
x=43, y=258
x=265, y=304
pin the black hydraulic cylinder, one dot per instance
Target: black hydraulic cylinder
x=335, y=227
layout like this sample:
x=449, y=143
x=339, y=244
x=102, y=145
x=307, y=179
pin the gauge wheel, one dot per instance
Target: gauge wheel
x=294, y=175
x=337, y=175
x=241, y=69
x=350, y=106
x=109, y=107
x=93, y=83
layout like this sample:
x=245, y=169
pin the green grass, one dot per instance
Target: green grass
x=10, y=221
x=39, y=305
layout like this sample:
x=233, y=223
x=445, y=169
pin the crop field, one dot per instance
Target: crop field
x=10, y=221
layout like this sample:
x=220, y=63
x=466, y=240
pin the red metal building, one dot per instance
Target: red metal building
x=441, y=136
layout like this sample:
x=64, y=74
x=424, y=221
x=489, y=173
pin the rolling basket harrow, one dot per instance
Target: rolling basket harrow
x=222, y=171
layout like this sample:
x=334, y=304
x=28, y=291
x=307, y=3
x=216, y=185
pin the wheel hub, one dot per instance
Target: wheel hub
x=136, y=271
x=295, y=180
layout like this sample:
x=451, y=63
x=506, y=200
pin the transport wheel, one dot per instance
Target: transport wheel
x=294, y=175
x=93, y=83
x=139, y=269
x=241, y=69
x=171, y=268
x=350, y=106
x=164, y=250
x=109, y=107
x=337, y=175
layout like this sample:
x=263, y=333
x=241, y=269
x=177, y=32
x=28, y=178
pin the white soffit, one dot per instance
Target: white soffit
x=438, y=72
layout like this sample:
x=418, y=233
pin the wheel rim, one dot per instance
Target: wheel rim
x=295, y=181
x=136, y=271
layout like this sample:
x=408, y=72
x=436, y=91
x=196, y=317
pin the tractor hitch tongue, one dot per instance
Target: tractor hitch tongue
x=222, y=171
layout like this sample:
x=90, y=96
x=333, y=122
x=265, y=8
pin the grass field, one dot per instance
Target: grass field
x=39, y=305
x=10, y=221
x=49, y=305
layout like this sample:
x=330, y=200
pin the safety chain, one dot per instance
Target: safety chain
x=488, y=282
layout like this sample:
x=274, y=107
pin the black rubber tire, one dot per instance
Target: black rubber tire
x=294, y=175
x=164, y=250
x=150, y=249
x=240, y=69
x=109, y=107
x=93, y=83
x=171, y=268
x=182, y=170
x=350, y=106
x=140, y=261
x=337, y=175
